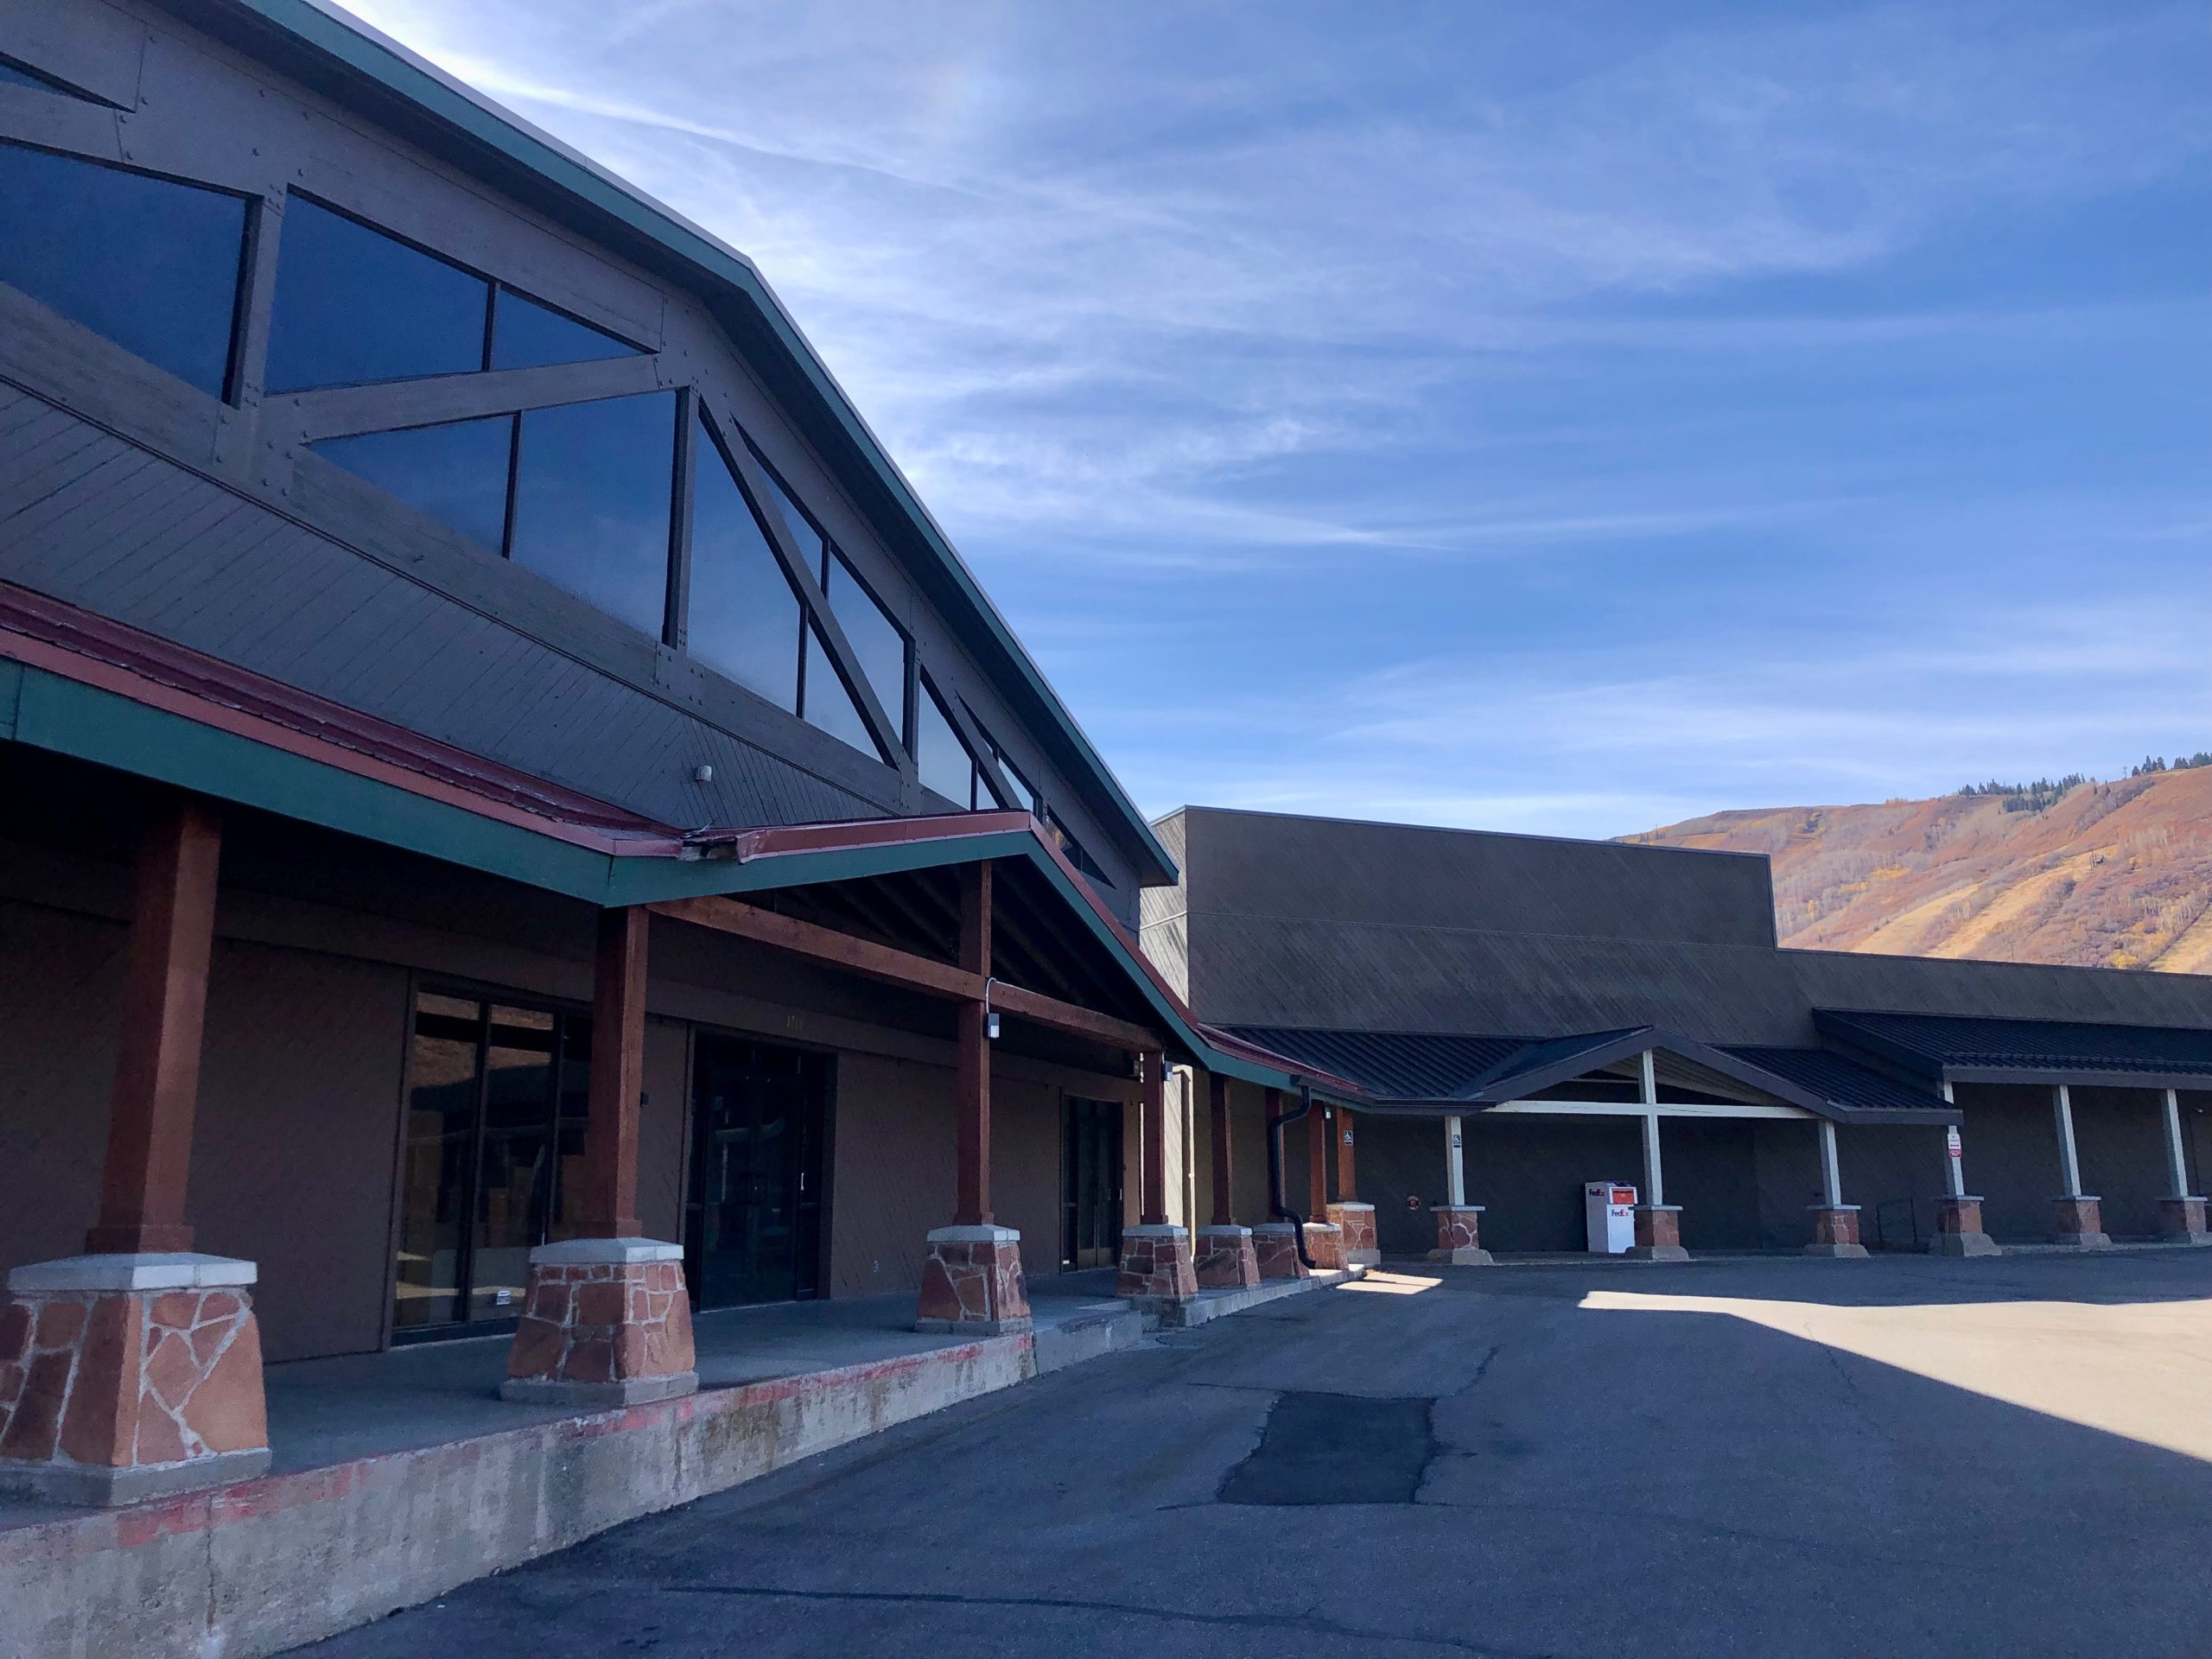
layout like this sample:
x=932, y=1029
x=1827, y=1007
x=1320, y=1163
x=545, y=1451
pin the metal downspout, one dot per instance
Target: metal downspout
x=1278, y=1203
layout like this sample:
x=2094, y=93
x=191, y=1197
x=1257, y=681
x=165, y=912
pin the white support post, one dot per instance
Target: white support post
x=1831, y=1176
x=1955, y=1169
x=1455, y=1168
x=2069, y=1165
x=2177, y=1165
x=1654, y=1185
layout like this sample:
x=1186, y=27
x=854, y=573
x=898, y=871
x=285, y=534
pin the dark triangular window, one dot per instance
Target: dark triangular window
x=455, y=473
x=745, y=618
x=355, y=306
x=147, y=262
x=22, y=74
x=528, y=335
x=829, y=704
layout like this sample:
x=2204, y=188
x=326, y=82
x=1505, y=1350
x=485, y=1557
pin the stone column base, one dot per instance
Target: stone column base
x=1658, y=1234
x=972, y=1282
x=1459, y=1236
x=1835, y=1230
x=1356, y=1221
x=1156, y=1266
x=604, y=1322
x=2181, y=1221
x=1275, y=1245
x=1958, y=1229
x=2078, y=1222
x=1226, y=1259
x=126, y=1377
x=1324, y=1242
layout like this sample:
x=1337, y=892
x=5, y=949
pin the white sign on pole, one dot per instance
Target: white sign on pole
x=1951, y=1141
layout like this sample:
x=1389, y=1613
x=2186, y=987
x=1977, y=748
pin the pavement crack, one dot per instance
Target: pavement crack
x=1309, y=1621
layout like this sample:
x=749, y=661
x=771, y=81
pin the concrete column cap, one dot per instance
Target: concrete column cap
x=2077, y=1198
x=604, y=1252
x=986, y=1233
x=1325, y=1226
x=1273, y=1227
x=1958, y=1197
x=1831, y=1207
x=2186, y=1198
x=1461, y=1209
x=1225, y=1228
x=1350, y=1203
x=1156, y=1230
x=1677, y=1206
x=151, y=1270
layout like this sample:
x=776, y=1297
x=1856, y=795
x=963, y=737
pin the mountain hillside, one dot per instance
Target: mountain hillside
x=2105, y=875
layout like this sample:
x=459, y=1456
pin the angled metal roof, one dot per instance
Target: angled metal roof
x=1846, y=1082
x=1976, y=1049
x=338, y=54
x=1431, y=1073
x=1395, y=1066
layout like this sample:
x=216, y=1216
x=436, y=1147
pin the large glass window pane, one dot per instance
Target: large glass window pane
x=457, y=473
x=940, y=757
x=876, y=639
x=744, y=617
x=17, y=75
x=592, y=486
x=514, y=1168
x=828, y=705
x=354, y=305
x=147, y=262
x=528, y=335
x=802, y=528
x=442, y=1084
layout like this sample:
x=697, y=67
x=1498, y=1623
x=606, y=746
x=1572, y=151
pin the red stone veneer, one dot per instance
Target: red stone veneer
x=1324, y=1242
x=973, y=1281
x=604, y=1324
x=1459, y=1236
x=96, y=1386
x=1226, y=1259
x=2078, y=1220
x=1355, y=1224
x=1156, y=1265
x=1275, y=1247
x=2182, y=1220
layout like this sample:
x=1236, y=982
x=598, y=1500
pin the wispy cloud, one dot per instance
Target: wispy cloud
x=1554, y=412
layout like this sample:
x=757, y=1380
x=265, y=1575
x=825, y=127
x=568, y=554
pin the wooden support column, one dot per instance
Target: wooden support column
x=1223, y=1202
x=1152, y=1209
x=972, y=1066
x=1317, y=1164
x=1347, y=1177
x=158, y=1051
x=618, y=1075
x=1455, y=1165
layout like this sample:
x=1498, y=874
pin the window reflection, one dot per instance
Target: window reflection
x=829, y=704
x=148, y=262
x=876, y=640
x=456, y=472
x=940, y=758
x=591, y=512
x=353, y=306
x=744, y=616
x=528, y=335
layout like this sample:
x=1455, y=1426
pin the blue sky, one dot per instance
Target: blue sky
x=1565, y=418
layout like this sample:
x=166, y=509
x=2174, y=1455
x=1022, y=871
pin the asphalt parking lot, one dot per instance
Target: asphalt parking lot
x=1760, y=1456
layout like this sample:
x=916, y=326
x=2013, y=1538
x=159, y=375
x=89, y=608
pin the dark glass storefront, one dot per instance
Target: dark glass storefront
x=494, y=1137
x=760, y=1127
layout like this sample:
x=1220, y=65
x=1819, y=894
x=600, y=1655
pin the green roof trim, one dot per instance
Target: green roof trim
x=50, y=711
x=337, y=39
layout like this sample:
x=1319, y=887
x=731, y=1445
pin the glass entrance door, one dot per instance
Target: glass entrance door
x=1091, y=1159
x=496, y=1097
x=758, y=1116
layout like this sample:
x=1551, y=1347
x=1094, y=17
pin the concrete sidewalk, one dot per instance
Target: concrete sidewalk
x=399, y=1476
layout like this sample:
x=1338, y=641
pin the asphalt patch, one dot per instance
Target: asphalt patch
x=1336, y=1448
